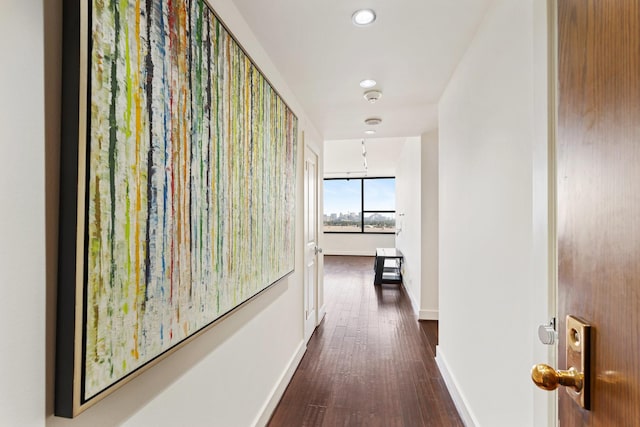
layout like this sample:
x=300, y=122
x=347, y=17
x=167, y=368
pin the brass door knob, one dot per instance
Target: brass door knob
x=547, y=378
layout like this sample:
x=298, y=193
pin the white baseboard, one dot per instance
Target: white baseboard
x=322, y=311
x=452, y=385
x=414, y=303
x=422, y=314
x=428, y=315
x=280, y=387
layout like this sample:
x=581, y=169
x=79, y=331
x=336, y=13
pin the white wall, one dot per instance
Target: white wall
x=429, y=230
x=230, y=376
x=417, y=215
x=486, y=232
x=22, y=217
x=356, y=244
x=409, y=218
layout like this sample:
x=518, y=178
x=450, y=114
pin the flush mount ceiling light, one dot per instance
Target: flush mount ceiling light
x=370, y=132
x=363, y=17
x=372, y=96
x=367, y=83
x=372, y=121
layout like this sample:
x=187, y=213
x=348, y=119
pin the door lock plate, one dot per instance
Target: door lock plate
x=578, y=342
x=547, y=333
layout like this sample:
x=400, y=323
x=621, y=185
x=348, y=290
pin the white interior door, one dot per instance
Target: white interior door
x=311, y=241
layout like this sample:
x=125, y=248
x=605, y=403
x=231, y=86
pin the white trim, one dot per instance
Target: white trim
x=544, y=284
x=278, y=390
x=452, y=385
x=428, y=315
x=322, y=311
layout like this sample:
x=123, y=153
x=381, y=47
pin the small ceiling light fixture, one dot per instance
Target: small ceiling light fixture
x=370, y=132
x=373, y=96
x=372, y=121
x=363, y=17
x=368, y=83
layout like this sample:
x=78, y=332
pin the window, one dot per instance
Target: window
x=360, y=205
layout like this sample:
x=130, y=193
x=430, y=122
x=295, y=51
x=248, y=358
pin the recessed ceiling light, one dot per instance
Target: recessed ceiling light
x=372, y=121
x=370, y=132
x=368, y=83
x=363, y=17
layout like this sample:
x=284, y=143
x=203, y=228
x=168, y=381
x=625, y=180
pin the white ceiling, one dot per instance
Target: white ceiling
x=343, y=158
x=411, y=50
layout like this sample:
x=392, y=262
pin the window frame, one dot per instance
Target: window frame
x=363, y=212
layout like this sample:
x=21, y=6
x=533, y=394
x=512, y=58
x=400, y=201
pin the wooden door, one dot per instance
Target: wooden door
x=599, y=201
x=311, y=241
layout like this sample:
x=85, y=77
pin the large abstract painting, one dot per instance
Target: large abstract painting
x=177, y=188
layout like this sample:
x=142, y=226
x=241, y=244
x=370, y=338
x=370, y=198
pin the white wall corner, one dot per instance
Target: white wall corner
x=279, y=388
x=428, y=315
x=458, y=398
x=409, y=219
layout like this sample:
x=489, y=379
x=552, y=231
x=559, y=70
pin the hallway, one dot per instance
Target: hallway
x=369, y=363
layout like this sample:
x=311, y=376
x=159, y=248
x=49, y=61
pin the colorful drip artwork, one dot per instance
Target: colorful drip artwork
x=190, y=185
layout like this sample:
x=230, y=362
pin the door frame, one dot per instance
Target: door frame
x=545, y=406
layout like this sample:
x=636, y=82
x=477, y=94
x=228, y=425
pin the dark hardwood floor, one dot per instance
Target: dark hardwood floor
x=370, y=362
